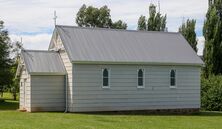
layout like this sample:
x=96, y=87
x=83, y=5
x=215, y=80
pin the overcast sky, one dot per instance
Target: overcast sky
x=32, y=19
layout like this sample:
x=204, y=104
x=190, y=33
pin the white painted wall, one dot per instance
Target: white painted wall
x=24, y=97
x=88, y=94
x=47, y=93
x=85, y=92
x=57, y=43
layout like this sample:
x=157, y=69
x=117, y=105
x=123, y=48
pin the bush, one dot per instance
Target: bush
x=211, y=93
x=2, y=100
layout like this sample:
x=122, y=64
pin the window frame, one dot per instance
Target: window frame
x=143, y=86
x=175, y=78
x=106, y=87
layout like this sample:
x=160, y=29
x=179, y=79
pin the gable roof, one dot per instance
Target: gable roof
x=43, y=62
x=125, y=46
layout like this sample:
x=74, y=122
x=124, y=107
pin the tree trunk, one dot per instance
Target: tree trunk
x=14, y=96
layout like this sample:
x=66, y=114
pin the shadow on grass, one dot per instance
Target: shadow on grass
x=9, y=105
x=144, y=113
x=208, y=113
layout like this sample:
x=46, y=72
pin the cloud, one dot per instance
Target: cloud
x=36, y=15
x=39, y=41
x=33, y=19
x=200, y=45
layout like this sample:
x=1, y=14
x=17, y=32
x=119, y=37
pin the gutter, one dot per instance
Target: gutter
x=47, y=73
x=66, y=92
x=139, y=63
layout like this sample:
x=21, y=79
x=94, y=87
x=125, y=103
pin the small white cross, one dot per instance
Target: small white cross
x=55, y=17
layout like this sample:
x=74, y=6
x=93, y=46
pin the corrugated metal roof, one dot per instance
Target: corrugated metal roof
x=47, y=62
x=108, y=45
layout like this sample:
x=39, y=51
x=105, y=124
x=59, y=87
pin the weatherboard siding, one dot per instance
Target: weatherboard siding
x=123, y=94
x=25, y=89
x=68, y=67
x=57, y=43
x=48, y=93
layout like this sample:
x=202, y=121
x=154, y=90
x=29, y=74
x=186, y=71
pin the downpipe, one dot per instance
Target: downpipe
x=66, y=90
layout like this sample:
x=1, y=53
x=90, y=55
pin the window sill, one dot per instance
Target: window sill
x=140, y=87
x=173, y=87
x=106, y=87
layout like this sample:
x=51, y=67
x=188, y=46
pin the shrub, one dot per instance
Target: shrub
x=2, y=100
x=211, y=93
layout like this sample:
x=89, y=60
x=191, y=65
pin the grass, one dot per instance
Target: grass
x=8, y=103
x=12, y=119
x=21, y=120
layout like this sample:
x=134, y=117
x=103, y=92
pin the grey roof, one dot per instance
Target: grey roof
x=109, y=45
x=48, y=62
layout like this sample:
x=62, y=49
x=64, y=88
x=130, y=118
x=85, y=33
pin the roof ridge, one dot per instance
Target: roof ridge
x=110, y=29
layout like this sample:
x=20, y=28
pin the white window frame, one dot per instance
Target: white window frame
x=175, y=86
x=143, y=86
x=109, y=70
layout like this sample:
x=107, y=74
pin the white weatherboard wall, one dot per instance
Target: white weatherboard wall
x=68, y=67
x=48, y=93
x=25, y=89
x=57, y=44
x=88, y=94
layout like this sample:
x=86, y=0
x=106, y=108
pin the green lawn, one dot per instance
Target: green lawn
x=8, y=103
x=12, y=119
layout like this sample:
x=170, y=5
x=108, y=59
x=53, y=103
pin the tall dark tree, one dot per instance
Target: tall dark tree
x=5, y=61
x=188, y=31
x=155, y=22
x=212, y=31
x=97, y=17
x=142, y=23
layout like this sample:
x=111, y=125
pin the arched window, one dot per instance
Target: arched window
x=173, y=78
x=140, y=78
x=105, y=77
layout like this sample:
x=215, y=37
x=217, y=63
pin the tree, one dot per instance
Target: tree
x=211, y=93
x=9, y=55
x=97, y=17
x=119, y=25
x=188, y=31
x=16, y=51
x=155, y=22
x=212, y=31
x=141, y=23
x=5, y=61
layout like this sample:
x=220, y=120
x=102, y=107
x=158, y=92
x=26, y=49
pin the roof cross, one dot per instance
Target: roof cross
x=55, y=18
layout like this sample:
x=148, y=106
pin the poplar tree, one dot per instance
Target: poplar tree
x=141, y=23
x=212, y=31
x=188, y=31
x=155, y=22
